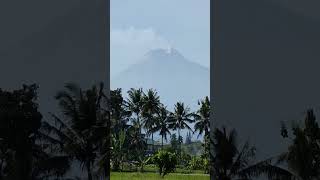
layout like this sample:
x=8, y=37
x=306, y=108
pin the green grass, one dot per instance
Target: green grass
x=153, y=169
x=155, y=176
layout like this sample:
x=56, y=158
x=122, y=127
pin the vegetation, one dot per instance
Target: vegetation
x=104, y=134
x=25, y=151
x=303, y=155
x=166, y=161
x=154, y=176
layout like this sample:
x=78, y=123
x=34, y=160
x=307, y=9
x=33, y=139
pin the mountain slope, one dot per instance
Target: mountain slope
x=171, y=74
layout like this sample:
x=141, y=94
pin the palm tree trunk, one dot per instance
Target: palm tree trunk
x=1, y=164
x=152, y=142
x=89, y=171
x=162, y=142
x=23, y=157
x=206, y=140
x=138, y=121
x=179, y=142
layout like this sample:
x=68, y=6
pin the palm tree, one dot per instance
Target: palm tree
x=202, y=125
x=232, y=162
x=202, y=118
x=162, y=123
x=26, y=151
x=119, y=113
x=48, y=163
x=137, y=144
x=84, y=125
x=151, y=103
x=303, y=155
x=135, y=104
x=119, y=116
x=180, y=118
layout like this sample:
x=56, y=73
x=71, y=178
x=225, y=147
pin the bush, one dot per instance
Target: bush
x=184, y=159
x=198, y=163
x=166, y=162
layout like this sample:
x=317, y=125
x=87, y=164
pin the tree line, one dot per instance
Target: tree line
x=102, y=133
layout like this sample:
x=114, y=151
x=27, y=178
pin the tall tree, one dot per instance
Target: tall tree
x=202, y=123
x=232, y=162
x=20, y=121
x=84, y=125
x=25, y=150
x=180, y=118
x=119, y=115
x=135, y=105
x=162, y=123
x=151, y=105
x=202, y=118
x=303, y=155
x=137, y=145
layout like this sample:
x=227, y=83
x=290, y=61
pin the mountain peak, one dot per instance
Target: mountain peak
x=162, y=54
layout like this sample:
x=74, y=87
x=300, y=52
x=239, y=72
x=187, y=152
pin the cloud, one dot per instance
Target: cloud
x=130, y=44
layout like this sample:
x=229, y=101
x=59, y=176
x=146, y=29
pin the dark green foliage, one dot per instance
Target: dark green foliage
x=25, y=149
x=197, y=163
x=84, y=129
x=166, y=162
x=135, y=104
x=303, y=155
x=118, y=151
x=202, y=124
x=162, y=123
x=229, y=161
x=180, y=119
x=184, y=159
x=151, y=108
x=20, y=120
x=119, y=129
x=202, y=117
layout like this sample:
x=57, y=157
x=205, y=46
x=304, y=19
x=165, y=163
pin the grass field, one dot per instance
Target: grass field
x=155, y=176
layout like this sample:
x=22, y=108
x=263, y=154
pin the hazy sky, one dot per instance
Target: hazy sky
x=140, y=25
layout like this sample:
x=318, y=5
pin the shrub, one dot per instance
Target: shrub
x=197, y=163
x=184, y=159
x=166, y=162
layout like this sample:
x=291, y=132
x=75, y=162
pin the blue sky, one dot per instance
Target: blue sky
x=140, y=25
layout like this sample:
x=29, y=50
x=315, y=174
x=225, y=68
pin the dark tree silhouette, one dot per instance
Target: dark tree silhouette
x=19, y=122
x=232, y=162
x=303, y=155
x=135, y=105
x=137, y=145
x=180, y=118
x=202, y=118
x=162, y=123
x=84, y=125
x=25, y=150
x=119, y=128
x=151, y=105
x=202, y=125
